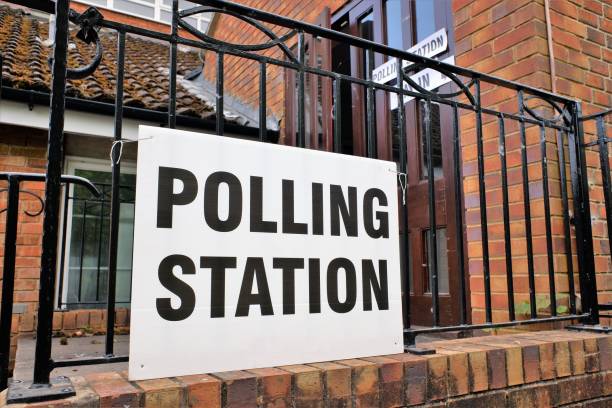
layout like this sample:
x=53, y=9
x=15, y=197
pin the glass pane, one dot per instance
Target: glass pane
x=436, y=140
x=425, y=18
x=442, y=258
x=395, y=135
x=134, y=8
x=366, y=31
x=165, y=16
x=395, y=24
x=89, y=236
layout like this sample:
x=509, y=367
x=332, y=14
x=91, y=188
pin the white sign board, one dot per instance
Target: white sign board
x=428, y=79
x=250, y=255
x=433, y=45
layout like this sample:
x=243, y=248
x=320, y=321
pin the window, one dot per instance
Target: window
x=84, y=251
x=436, y=140
x=158, y=10
x=441, y=256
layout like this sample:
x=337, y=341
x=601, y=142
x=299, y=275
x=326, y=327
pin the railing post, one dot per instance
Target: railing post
x=52, y=197
x=582, y=216
x=8, y=278
x=115, y=207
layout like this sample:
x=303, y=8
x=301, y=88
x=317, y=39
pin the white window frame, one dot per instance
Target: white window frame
x=71, y=164
x=158, y=7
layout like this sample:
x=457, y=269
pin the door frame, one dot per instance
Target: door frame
x=352, y=12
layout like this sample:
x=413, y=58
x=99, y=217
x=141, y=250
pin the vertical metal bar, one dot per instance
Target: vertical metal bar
x=173, y=57
x=403, y=152
x=338, y=115
x=459, y=214
x=219, y=94
x=547, y=222
x=371, y=110
x=433, y=233
x=301, y=142
x=584, y=233
x=1, y=69
x=82, y=250
x=8, y=278
x=566, y=224
x=483, y=206
x=604, y=160
x=527, y=205
x=60, y=286
x=115, y=206
x=506, y=215
x=262, y=102
x=44, y=327
x=99, y=263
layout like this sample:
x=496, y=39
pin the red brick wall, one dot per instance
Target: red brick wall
x=582, y=37
x=548, y=369
x=24, y=150
x=508, y=38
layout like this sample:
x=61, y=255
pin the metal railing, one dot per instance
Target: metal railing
x=10, y=246
x=466, y=101
x=599, y=139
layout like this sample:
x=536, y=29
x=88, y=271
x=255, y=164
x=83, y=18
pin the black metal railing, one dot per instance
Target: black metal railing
x=598, y=139
x=560, y=131
x=10, y=245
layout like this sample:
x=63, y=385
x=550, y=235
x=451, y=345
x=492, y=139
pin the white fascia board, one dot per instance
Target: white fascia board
x=83, y=123
x=77, y=122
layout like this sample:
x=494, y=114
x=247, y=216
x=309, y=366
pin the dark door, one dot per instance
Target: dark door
x=401, y=24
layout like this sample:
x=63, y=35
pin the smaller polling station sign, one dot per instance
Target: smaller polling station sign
x=250, y=254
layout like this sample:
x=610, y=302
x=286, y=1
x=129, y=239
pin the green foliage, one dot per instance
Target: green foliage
x=542, y=306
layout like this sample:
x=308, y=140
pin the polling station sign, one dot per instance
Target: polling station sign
x=250, y=255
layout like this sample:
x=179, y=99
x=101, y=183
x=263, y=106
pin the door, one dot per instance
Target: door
x=317, y=93
x=401, y=24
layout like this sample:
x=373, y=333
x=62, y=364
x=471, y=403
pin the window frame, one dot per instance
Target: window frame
x=71, y=164
x=157, y=8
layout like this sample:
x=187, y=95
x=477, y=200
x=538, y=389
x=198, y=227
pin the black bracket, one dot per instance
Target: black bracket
x=58, y=388
x=590, y=328
x=89, y=22
x=419, y=351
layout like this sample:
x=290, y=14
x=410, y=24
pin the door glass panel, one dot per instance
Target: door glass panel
x=425, y=18
x=87, y=266
x=366, y=31
x=436, y=140
x=442, y=258
x=393, y=16
x=341, y=57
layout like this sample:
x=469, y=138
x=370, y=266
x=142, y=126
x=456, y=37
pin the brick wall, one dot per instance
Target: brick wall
x=24, y=150
x=582, y=38
x=508, y=38
x=547, y=369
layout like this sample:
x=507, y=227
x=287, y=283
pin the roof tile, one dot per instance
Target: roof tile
x=25, y=54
